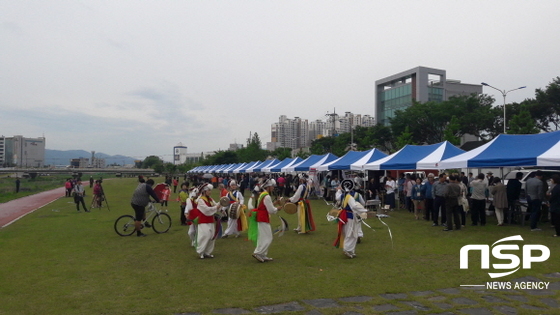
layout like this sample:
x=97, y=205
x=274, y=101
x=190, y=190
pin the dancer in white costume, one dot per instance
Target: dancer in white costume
x=234, y=196
x=348, y=218
x=259, y=227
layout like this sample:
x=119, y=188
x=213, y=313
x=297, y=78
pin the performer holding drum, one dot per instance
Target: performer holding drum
x=206, y=223
x=348, y=218
x=305, y=216
x=260, y=231
x=236, y=215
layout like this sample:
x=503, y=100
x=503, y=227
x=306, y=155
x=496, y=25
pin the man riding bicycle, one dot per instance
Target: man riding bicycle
x=140, y=199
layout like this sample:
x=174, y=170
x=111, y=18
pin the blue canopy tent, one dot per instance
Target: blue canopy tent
x=371, y=156
x=247, y=166
x=278, y=167
x=265, y=164
x=413, y=157
x=345, y=162
x=311, y=161
x=510, y=150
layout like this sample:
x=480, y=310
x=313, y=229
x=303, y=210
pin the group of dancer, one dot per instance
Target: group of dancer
x=203, y=215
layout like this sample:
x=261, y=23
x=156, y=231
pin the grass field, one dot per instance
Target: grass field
x=59, y=261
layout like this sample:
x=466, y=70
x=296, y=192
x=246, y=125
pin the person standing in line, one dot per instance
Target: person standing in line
x=499, y=193
x=554, y=201
x=535, y=196
x=206, y=233
x=478, y=200
x=408, y=183
x=418, y=195
x=140, y=199
x=390, y=187
x=513, y=190
x=79, y=196
x=452, y=193
x=304, y=213
x=438, y=191
x=183, y=196
x=429, y=198
x=260, y=231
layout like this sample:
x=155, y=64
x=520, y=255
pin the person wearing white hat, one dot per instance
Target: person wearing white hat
x=260, y=231
x=206, y=223
x=349, y=226
x=234, y=226
x=304, y=213
x=191, y=213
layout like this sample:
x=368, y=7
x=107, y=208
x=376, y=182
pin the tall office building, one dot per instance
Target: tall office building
x=421, y=84
x=22, y=152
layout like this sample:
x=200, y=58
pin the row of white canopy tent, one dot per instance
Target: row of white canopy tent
x=503, y=151
x=410, y=157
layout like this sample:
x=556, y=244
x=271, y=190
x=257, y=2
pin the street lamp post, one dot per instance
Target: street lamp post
x=504, y=93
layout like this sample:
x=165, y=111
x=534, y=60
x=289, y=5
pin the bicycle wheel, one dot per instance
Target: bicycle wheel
x=161, y=223
x=124, y=226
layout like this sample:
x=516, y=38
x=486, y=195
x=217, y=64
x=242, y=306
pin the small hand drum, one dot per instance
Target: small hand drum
x=290, y=208
x=224, y=201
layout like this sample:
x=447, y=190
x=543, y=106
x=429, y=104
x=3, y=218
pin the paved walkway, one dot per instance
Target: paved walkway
x=13, y=210
x=436, y=302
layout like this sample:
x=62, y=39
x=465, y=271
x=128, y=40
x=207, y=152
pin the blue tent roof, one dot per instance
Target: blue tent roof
x=511, y=150
x=312, y=160
x=412, y=157
x=286, y=162
x=344, y=162
x=247, y=166
x=266, y=163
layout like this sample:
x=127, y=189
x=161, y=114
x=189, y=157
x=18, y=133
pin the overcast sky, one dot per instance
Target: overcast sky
x=138, y=77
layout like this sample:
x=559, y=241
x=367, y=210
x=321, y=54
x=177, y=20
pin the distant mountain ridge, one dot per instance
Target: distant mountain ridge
x=58, y=157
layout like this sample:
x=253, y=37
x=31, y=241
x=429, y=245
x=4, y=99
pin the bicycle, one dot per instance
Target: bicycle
x=161, y=221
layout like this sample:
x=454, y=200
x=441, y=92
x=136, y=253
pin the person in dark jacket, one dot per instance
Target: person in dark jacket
x=513, y=190
x=140, y=199
x=554, y=200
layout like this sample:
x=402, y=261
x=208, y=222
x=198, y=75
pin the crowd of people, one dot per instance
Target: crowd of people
x=445, y=200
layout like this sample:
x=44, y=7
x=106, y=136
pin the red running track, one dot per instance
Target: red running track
x=15, y=209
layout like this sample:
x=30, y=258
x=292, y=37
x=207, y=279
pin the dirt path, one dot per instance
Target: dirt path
x=15, y=209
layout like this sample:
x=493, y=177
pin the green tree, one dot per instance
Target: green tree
x=451, y=131
x=170, y=168
x=523, y=123
x=404, y=138
x=253, y=151
x=221, y=157
x=151, y=162
x=546, y=109
x=281, y=153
